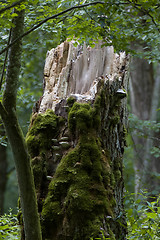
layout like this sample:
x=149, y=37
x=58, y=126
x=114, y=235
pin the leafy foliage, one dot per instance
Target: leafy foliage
x=143, y=217
x=118, y=23
x=143, y=128
x=9, y=228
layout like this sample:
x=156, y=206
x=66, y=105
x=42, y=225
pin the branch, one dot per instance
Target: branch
x=145, y=12
x=47, y=19
x=157, y=6
x=5, y=60
x=152, y=18
x=11, y=6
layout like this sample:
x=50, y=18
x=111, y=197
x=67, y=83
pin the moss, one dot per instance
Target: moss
x=70, y=101
x=124, y=135
x=39, y=171
x=125, y=131
x=79, y=188
x=83, y=117
x=79, y=118
x=97, y=104
x=44, y=128
x=19, y=214
x=53, y=216
x=81, y=192
x=117, y=175
x=115, y=119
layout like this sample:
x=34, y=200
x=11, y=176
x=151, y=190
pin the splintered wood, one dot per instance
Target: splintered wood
x=71, y=70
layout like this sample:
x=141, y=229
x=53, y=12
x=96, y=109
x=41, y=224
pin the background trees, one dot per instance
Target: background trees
x=118, y=23
x=144, y=92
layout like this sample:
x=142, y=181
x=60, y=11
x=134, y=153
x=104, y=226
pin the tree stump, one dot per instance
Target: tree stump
x=76, y=141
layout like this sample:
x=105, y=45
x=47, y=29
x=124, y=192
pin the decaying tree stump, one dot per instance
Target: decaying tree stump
x=76, y=141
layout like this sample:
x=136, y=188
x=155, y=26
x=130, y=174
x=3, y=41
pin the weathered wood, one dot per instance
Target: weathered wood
x=76, y=141
x=67, y=71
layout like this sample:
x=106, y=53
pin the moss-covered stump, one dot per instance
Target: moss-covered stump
x=82, y=197
x=77, y=145
x=81, y=192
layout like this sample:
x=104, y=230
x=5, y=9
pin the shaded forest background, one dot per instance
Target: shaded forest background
x=142, y=167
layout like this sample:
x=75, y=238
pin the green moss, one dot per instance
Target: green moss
x=117, y=169
x=125, y=131
x=19, y=214
x=97, y=104
x=115, y=120
x=39, y=137
x=33, y=143
x=83, y=117
x=117, y=175
x=79, y=118
x=79, y=189
x=70, y=101
x=39, y=171
x=44, y=128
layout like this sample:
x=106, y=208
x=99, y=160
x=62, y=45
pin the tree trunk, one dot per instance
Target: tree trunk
x=144, y=98
x=76, y=141
x=3, y=171
x=15, y=135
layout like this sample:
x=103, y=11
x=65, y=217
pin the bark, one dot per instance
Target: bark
x=152, y=166
x=76, y=141
x=16, y=138
x=3, y=171
x=144, y=90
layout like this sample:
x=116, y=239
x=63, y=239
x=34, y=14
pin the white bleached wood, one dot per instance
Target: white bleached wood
x=72, y=70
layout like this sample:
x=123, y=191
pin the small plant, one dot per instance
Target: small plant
x=143, y=217
x=9, y=228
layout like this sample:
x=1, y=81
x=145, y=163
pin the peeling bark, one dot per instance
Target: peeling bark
x=76, y=141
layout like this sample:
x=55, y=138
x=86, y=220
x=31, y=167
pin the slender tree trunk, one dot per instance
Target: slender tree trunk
x=144, y=97
x=76, y=140
x=16, y=138
x=3, y=171
x=152, y=165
